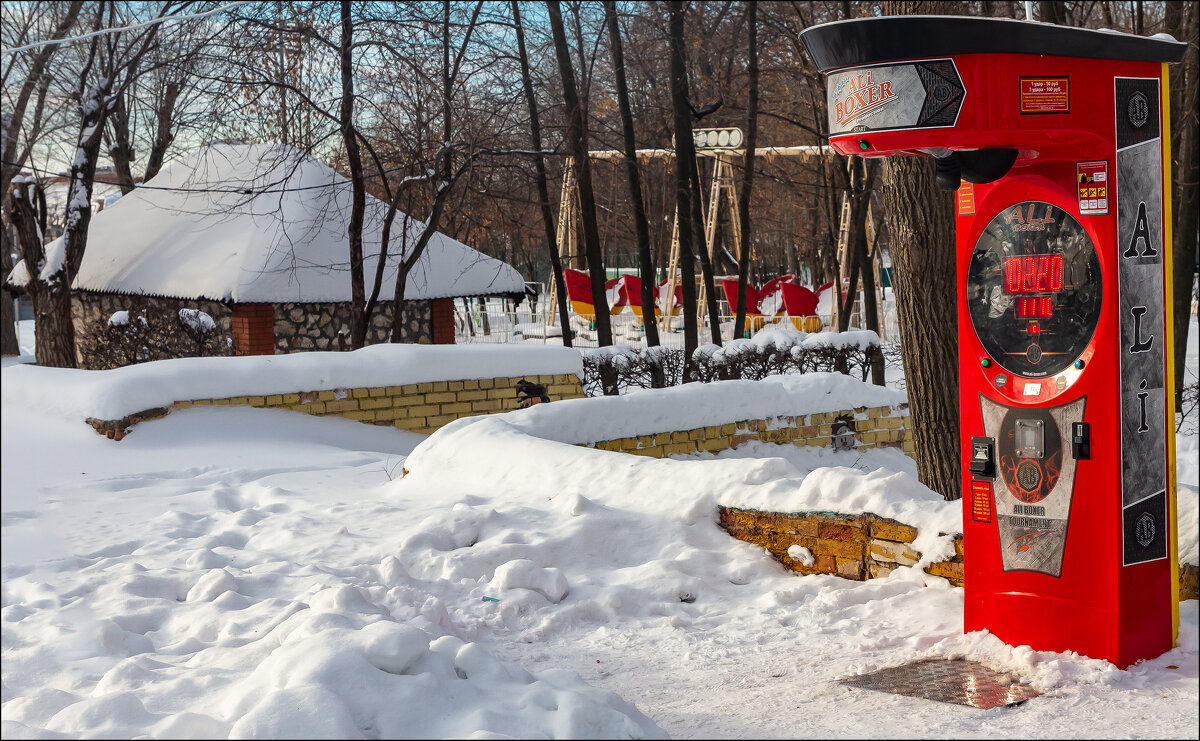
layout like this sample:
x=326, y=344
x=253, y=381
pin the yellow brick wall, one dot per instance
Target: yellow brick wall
x=417, y=407
x=425, y=407
x=874, y=427
x=860, y=547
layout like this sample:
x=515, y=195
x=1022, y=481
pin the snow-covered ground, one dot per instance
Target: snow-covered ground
x=256, y=573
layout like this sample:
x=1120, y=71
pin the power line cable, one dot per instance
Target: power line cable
x=242, y=191
x=119, y=29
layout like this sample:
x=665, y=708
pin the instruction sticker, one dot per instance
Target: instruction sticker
x=1092, y=179
x=1045, y=95
x=966, y=199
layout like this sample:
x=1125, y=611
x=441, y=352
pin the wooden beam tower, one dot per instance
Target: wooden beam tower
x=721, y=145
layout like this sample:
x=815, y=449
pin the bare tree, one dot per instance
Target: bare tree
x=576, y=137
x=171, y=94
x=22, y=128
x=450, y=161
x=685, y=150
x=107, y=68
x=539, y=163
x=739, y=322
x=358, y=298
x=635, y=183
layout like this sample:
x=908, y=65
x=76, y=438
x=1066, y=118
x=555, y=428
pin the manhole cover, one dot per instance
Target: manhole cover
x=957, y=682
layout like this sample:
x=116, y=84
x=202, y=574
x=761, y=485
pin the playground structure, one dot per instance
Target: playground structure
x=778, y=298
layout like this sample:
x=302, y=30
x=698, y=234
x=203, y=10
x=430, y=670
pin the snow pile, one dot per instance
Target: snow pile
x=112, y=394
x=693, y=405
x=617, y=355
x=254, y=572
x=336, y=667
x=801, y=554
x=544, y=440
x=121, y=319
x=791, y=341
x=196, y=320
x=226, y=600
x=1187, y=456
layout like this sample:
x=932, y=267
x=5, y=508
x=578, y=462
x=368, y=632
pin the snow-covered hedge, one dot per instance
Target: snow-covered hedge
x=771, y=352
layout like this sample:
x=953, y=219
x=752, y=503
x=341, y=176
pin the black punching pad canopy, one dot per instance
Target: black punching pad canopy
x=864, y=41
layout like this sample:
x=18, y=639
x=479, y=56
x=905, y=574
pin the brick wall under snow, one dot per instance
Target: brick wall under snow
x=416, y=407
x=858, y=547
x=845, y=429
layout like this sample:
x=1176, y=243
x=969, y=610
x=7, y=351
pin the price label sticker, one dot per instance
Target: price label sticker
x=1045, y=95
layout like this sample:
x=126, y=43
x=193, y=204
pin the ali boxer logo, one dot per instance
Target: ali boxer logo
x=1138, y=110
x=859, y=96
x=1143, y=530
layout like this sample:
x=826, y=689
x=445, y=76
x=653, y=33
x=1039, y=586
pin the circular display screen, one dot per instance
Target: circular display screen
x=1034, y=289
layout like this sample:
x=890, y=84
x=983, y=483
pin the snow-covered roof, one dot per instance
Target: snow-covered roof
x=264, y=223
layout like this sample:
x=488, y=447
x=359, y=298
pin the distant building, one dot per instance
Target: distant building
x=105, y=192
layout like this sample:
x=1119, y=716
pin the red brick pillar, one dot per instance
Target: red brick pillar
x=253, y=329
x=443, y=321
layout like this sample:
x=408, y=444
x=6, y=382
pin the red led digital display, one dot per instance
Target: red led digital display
x=1034, y=307
x=1033, y=274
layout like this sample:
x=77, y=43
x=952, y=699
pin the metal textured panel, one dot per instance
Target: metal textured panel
x=957, y=682
x=1144, y=404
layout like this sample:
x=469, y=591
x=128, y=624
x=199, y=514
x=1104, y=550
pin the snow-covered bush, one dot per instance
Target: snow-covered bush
x=140, y=334
x=770, y=352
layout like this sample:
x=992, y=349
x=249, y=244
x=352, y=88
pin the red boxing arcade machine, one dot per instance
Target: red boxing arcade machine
x=1054, y=139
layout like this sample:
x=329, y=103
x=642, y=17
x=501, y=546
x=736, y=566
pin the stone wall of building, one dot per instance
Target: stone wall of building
x=90, y=312
x=315, y=326
x=299, y=326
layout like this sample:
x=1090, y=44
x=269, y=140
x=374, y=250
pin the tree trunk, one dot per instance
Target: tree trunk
x=703, y=248
x=54, y=332
x=921, y=223
x=739, y=322
x=1185, y=82
x=685, y=159
x=859, y=183
x=539, y=166
x=685, y=150
x=870, y=306
x=120, y=150
x=358, y=203
x=8, y=315
x=162, y=136
x=447, y=175
x=15, y=153
x=577, y=144
x=1050, y=11
x=83, y=177
x=641, y=223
